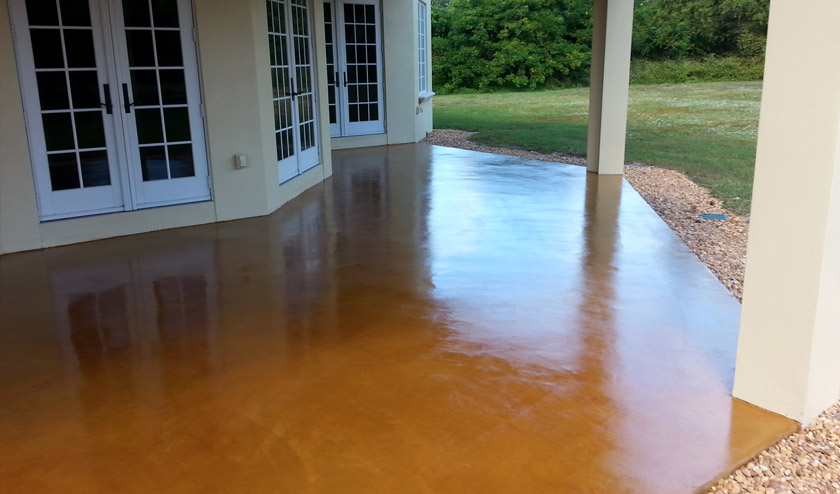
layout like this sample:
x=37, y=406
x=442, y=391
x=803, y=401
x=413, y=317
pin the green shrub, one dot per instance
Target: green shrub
x=709, y=69
x=751, y=45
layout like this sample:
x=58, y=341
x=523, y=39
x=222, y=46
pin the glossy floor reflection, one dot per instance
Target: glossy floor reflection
x=429, y=320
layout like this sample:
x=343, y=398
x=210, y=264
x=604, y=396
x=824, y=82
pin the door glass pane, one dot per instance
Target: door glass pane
x=46, y=48
x=58, y=131
x=149, y=128
x=52, y=91
x=165, y=13
x=84, y=86
x=169, y=48
x=95, y=171
x=64, y=173
x=74, y=12
x=177, y=124
x=173, y=89
x=153, y=163
x=89, y=130
x=145, y=87
x=181, y=161
x=79, y=48
x=136, y=13
x=141, y=52
x=41, y=13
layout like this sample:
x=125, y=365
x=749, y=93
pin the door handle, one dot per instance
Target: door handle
x=128, y=105
x=292, y=88
x=345, y=79
x=109, y=107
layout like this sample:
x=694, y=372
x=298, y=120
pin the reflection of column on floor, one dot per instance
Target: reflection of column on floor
x=380, y=201
x=601, y=236
x=408, y=174
x=362, y=208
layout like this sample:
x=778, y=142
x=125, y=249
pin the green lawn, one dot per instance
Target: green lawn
x=707, y=130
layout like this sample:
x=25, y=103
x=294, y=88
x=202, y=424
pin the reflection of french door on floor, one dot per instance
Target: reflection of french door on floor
x=293, y=86
x=111, y=94
x=354, y=67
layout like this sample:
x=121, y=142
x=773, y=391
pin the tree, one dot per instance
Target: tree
x=486, y=44
x=483, y=44
x=693, y=28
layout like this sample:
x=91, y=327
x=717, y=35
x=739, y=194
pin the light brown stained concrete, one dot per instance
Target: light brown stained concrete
x=429, y=320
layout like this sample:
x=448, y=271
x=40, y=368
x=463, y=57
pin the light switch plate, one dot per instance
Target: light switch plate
x=240, y=161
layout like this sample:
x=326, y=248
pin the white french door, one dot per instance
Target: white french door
x=112, y=100
x=293, y=87
x=354, y=67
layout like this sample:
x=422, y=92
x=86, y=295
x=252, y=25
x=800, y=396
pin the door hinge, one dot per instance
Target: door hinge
x=209, y=182
x=195, y=36
x=14, y=35
x=201, y=107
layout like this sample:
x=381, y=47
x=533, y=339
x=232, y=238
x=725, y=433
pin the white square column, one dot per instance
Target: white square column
x=609, y=85
x=789, y=347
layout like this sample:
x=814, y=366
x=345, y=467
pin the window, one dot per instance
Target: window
x=421, y=47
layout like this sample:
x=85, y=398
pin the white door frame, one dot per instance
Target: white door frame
x=75, y=201
x=297, y=131
x=349, y=83
x=154, y=193
x=126, y=190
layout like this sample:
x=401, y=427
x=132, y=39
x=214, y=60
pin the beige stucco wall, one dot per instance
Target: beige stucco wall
x=790, y=328
x=18, y=205
x=230, y=44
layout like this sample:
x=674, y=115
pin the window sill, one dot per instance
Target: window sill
x=425, y=96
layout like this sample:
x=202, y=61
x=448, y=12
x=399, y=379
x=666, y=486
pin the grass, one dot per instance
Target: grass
x=707, y=130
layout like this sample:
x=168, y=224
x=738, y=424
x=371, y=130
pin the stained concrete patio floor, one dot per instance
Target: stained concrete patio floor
x=428, y=320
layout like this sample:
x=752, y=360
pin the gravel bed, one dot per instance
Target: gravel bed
x=807, y=462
